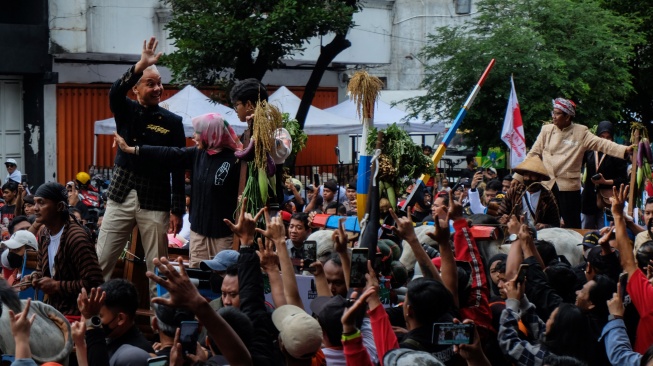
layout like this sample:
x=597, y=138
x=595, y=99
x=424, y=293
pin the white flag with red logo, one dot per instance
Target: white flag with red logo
x=513, y=129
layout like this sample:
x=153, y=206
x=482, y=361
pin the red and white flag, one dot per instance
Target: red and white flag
x=513, y=129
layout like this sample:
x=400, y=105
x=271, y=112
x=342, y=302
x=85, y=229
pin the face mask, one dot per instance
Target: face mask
x=527, y=183
x=15, y=260
x=216, y=283
x=107, y=330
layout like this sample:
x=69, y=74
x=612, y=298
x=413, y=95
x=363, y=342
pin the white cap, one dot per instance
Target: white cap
x=300, y=333
x=11, y=161
x=21, y=238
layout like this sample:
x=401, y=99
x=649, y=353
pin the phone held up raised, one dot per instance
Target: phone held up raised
x=452, y=333
x=188, y=336
x=358, y=267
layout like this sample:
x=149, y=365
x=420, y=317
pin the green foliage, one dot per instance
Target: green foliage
x=298, y=136
x=405, y=155
x=216, y=39
x=554, y=48
x=640, y=103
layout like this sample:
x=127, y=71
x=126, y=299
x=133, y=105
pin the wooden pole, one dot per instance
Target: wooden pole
x=633, y=176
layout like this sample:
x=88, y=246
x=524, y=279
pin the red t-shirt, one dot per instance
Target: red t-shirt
x=641, y=293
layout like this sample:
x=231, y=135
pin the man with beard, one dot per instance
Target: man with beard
x=531, y=199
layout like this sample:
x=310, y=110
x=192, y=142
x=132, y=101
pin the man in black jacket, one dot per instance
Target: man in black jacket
x=140, y=192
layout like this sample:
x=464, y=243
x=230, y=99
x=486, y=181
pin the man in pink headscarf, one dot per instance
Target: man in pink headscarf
x=561, y=146
x=214, y=182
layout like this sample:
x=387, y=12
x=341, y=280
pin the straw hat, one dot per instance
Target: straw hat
x=533, y=164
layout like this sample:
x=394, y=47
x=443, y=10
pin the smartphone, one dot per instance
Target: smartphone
x=23, y=178
x=310, y=254
x=359, y=259
x=188, y=336
x=596, y=176
x=451, y=333
x=157, y=361
x=480, y=169
x=521, y=275
x=623, y=281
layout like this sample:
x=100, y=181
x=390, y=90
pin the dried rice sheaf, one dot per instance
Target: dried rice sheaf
x=267, y=118
x=364, y=89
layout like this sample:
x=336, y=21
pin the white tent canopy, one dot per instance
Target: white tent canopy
x=385, y=115
x=318, y=122
x=187, y=103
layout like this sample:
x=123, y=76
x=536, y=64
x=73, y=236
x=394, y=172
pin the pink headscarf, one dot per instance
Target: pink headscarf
x=215, y=133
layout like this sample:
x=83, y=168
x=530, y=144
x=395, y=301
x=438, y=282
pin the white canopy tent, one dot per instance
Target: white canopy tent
x=385, y=115
x=187, y=103
x=318, y=122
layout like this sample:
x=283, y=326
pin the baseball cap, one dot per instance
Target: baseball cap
x=11, y=161
x=492, y=170
x=591, y=239
x=221, y=261
x=21, y=238
x=409, y=357
x=300, y=333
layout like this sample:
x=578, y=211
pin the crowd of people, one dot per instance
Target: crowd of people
x=529, y=306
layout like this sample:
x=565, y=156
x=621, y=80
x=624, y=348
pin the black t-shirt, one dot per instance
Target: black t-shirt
x=8, y=212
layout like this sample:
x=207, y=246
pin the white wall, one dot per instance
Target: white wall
x=106, y=26
x=370, y=39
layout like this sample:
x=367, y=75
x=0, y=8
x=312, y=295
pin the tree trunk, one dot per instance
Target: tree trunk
x=327, y=55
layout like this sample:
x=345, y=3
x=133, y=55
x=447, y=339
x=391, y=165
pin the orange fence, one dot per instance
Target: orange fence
x=80, y=105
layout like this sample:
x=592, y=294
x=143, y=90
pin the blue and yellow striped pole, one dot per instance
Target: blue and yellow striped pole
x=364, y=172
x=439, y=152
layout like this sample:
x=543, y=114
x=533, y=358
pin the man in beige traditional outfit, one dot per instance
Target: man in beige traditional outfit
x=561, y=146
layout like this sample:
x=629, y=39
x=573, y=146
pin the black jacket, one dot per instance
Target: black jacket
x=252, y=303
x=611, y=168
x=139, y=126
x=214, y=192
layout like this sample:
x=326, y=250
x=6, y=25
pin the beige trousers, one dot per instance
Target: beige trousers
x=119, y=221
x=204, y=248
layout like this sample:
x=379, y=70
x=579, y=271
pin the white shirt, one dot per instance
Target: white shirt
x=534, y=199
x=53, y=248
x=15, y=176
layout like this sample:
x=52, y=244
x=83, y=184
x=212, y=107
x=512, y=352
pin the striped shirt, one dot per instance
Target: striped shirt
x=75, y=266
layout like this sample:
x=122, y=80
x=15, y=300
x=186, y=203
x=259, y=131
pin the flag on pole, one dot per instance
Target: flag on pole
x=513, y=129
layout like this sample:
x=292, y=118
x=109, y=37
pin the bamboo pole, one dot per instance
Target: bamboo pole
x=633, y=175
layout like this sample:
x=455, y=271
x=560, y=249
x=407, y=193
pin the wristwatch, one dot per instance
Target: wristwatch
x=512, y=238
x=94, y=322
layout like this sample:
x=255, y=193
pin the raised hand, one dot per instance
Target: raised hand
x=183, y=294
x=618, y=199
x=269, y=259
x=340, y=238
x=246, y=225
x=275, y=230
x=149, y=56
x=403, y=227
x=90, y=305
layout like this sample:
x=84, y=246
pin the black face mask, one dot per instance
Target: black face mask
x=528, y=183
x=216, y=283
x=15, y=260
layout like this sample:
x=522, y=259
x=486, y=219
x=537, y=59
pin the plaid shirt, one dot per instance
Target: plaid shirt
x=139, y=126
x=520, y=351
x=546, y=211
